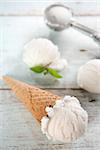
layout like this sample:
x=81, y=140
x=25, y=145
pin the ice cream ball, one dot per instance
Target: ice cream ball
x=66, y=120
x=89, y=76
x=41, y=51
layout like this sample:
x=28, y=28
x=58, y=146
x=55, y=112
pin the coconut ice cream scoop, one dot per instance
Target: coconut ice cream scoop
x=66, y=121
x=61, y=119
x=89, y=76
x=43, y=52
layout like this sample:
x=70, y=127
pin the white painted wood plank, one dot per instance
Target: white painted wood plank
x=20, y=131
x=1, y=48
x=84, y=7
x=36, y=7
x=24, y=7
x=17, y=31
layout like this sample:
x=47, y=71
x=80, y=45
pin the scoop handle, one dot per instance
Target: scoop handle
x=90, y=32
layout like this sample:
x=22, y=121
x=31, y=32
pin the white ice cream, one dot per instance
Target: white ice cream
x=42, y=51
x=59, y=15
x=66, y=120
x=89, y=76
x=59, y=64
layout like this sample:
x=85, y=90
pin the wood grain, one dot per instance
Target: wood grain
x=76, y=47
x=18, y=25
x=20, y=131
x=36, y=7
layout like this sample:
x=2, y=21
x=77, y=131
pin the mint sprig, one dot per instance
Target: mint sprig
x=38, y=69
x=46, y=70
x=54, y=73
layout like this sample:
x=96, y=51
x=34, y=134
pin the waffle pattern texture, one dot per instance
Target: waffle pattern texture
x=35, y=99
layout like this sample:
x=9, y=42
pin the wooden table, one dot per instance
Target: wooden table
x=20, y=21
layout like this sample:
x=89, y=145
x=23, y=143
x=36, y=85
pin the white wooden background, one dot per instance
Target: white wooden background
x=36, y=7
x=19, y=30
x=20, y=21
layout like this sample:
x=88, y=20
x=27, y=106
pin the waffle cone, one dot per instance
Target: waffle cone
x=34, y=98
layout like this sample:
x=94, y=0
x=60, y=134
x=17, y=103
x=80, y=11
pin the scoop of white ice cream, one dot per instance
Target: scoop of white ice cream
x=59, y=15
x=89, y=76
x=42, y=51
x=59, y=64
x=66, y=120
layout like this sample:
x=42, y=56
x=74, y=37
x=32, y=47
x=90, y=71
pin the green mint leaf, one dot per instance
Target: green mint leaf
x=38, y=69
x=45, y=72
x=54, y=73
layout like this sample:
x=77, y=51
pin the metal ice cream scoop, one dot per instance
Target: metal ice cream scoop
x=55, y=22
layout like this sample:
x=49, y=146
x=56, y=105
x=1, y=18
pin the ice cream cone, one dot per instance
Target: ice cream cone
x=35, y=99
